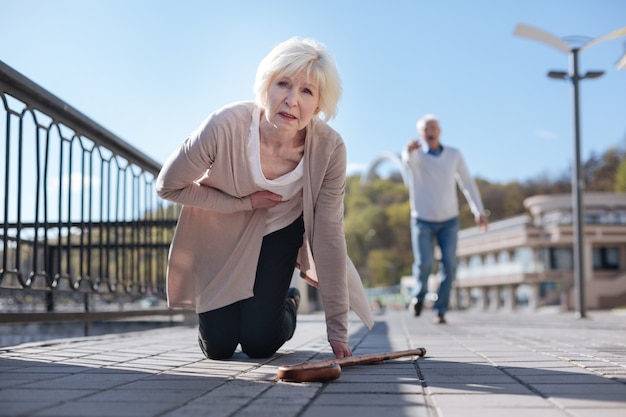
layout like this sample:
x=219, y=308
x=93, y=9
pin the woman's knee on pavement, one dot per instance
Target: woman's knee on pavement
x=259, y=349
x=262, y=340
x=216, y=351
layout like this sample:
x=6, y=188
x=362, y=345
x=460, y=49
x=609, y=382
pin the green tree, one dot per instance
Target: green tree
x=377, y=229
x=620, y=177
x=600, y=171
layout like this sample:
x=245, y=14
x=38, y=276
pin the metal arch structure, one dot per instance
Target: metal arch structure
x=385, y=156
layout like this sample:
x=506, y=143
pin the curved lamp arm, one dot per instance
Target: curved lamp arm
x=542, y=36
x=612, y=35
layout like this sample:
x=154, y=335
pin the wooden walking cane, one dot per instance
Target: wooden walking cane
x=331, y=369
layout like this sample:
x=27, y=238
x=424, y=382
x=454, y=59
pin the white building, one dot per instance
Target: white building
x=528, y=260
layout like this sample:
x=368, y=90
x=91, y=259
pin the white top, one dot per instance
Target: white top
x=433, y=181
x=289, y=186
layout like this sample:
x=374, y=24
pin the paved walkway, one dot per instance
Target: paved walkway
x=479, y=364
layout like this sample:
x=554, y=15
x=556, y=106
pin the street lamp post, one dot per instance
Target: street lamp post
x=577, y=180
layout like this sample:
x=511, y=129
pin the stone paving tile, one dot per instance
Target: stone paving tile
x=581, y=390
x=554, y=378
x=505, y=412
x=196, y=410
x=373, y=388
x=401, y=410
x=133, y=396
x=489, y=399
x=99, y=409
x=597, y=402
x=275, y=411
x=24, y=408
x=355, y=399
x=591, y=412
x=49, y=395
x=85, y=380
x=368, y=377
x=553, y=369
x=477, y=388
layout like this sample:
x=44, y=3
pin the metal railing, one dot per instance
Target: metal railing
x=80, y=214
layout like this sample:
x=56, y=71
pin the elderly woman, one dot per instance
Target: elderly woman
x=262, y=188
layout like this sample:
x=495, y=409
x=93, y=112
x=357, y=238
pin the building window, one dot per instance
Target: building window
x=606, y=258
x=548, y=287
x=559, y=258
x=620, y=217
x=504, y=257
x=565, y=218
x=524, y=258
x=596, y=218
x=475, y=261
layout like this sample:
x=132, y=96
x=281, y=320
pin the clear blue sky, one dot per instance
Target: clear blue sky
x=151, y=70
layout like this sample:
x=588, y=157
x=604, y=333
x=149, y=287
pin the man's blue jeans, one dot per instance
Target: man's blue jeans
x=424, y=236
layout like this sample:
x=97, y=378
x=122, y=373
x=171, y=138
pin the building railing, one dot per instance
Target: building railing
x=80, y=214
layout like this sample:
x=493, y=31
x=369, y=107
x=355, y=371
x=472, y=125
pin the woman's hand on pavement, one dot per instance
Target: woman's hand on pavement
x=340, y=349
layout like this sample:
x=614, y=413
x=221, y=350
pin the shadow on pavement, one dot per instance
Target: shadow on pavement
x=449, y=377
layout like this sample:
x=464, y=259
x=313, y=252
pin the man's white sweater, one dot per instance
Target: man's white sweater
x=432, y=184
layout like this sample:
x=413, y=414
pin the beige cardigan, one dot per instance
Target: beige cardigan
x=214, y=253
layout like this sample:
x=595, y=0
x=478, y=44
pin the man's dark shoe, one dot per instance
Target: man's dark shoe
x=417, y=307
x=294, y=294
x=440, y=319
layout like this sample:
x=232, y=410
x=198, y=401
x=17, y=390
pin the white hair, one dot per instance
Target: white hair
x=421, y=123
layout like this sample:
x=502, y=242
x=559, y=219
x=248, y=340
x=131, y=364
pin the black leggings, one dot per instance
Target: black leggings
x=263, y=323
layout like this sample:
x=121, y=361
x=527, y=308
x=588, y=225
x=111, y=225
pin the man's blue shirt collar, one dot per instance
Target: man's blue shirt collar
x=437, y=152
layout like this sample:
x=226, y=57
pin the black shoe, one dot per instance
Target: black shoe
x=417, y=307
x=440, y=319
x=294, y=294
